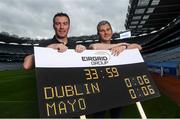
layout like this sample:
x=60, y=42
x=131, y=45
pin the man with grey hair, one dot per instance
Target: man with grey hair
x=105, y=32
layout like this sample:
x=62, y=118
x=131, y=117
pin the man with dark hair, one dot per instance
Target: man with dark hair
x=61, y=25
x=61, y=14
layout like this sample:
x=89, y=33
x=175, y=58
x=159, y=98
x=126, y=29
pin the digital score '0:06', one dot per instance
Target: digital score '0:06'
x=139, y=86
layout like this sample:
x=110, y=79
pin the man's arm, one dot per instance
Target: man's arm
x=134, y=45
x=101, y=46
x=116, y=49
x=28, y=62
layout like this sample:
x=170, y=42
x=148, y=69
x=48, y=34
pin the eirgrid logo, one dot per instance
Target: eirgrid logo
x=100, y=58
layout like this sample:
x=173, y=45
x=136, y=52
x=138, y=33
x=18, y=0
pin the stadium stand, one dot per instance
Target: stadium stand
x=14, y=53
x=145, y=16
x=156, y=24
x=13, y=49
x=162, y=52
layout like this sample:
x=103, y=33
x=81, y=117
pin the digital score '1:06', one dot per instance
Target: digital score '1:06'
x=93, y=73
x=139, y=86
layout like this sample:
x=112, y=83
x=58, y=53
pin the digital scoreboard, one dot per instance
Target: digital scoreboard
x=71, y=84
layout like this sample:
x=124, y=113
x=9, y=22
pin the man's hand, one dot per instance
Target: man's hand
x=58, y=46
x=80, y=48
x=117, y=50
x=28, y=62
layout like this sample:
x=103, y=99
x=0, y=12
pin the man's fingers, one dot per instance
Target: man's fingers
x=116, y=51
x=62, y=48
x=80, y=48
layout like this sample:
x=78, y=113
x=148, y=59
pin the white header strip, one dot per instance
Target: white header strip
x=50, y=58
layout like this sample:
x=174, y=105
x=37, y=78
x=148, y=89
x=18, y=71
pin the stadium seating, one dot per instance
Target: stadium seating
x=162, y=51
x=160, y=48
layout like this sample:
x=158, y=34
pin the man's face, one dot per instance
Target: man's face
x=105, y=32
x=61, y=26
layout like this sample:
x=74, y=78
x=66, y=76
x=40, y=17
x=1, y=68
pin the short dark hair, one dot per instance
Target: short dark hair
x=102, y=23
x=60, y=14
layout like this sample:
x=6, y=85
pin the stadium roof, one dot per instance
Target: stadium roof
x=145, y=16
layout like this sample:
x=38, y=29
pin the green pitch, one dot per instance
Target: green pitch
x=18, y=98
